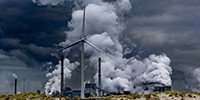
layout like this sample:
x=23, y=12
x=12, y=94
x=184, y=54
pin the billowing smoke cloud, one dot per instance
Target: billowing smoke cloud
x=196, y=75
x=54, y=82
x=131, y=74
x=196, y=87
x=104, y=27
x=193, y=82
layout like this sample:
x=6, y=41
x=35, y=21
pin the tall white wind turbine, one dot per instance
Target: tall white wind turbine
x=82, y=41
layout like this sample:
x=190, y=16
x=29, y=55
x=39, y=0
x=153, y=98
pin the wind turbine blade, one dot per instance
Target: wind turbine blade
x=89, y=43
x=83, y=24
x=60, y=50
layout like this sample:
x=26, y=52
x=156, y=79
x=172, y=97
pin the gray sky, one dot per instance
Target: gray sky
x=28, y=33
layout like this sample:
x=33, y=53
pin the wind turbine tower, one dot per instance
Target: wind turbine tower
x=82, y=41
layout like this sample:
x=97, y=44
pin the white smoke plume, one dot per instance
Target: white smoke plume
x=196, y=74
x=104, y=27
x=126, y=73
x=53, y=83
x=193, y=81
x=8, y=73
x=14, y=75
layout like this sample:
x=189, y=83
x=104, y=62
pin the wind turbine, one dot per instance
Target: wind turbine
x=82, y=41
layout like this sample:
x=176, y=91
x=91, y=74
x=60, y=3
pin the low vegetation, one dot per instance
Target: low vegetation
x=151, y=96
x=26, y=96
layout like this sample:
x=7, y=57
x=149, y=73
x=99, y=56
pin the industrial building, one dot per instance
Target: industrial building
x=89, y=89
x=71, y=93
x=154, y=87
x=162, y=88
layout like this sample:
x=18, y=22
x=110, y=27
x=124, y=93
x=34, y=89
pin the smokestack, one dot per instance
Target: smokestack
x=99, y=92
x=62, y=73
x=24, y=88
x=16, y=86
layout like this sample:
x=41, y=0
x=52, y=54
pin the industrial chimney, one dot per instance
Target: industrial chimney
x=62, y=73
x=24, y=85
x=16, y=86
x=99, y=92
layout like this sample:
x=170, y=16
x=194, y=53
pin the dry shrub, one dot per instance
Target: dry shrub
x=67, y=97
x=48, y=98
x=175, y=93
x=167, y=92
x=136, y=96
x=77, y=97
x=147, y=96
x=189, y=95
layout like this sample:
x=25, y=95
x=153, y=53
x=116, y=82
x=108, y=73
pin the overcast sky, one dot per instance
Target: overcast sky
x=28, y=33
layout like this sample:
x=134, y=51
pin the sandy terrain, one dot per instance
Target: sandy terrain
x=168, y=95
x=164, y=96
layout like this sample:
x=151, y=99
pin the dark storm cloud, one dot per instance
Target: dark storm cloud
x=10, y=62
x=171, y=27
x=31, y=23
x=31, y=30
x=28, y=33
